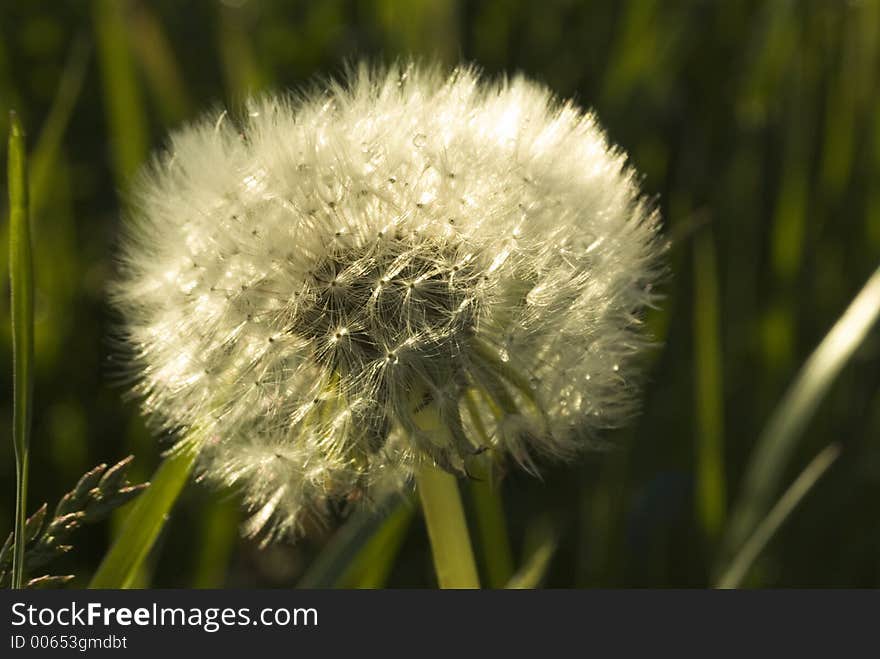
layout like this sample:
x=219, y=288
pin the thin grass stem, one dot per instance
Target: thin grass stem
x=779, y=439
x=768, y=527
x=21, y=277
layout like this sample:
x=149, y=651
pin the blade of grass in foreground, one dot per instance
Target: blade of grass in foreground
x=146, y=519
x=352, y=540
x=778, y=440
x=217, y=536
x=739, y=566
x=533, y=571
x=372, y=566
x=21, y=278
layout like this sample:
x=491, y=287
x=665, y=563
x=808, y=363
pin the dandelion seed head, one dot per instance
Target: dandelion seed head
x=301, y=285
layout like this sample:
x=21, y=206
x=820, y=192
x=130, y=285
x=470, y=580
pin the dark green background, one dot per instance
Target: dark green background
x=757, y=129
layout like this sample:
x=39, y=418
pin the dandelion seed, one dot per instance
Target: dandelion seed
x=406, y=241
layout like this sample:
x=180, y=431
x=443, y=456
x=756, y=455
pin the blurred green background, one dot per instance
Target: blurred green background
x=756, y=126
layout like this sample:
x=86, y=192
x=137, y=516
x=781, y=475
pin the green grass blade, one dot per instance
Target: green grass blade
x=21, y=278
x=491, y=532
x=779, y=439
x=711, y=489
x=219, y=531
x=739, y=567
x=532, y=573
x=161, y=71
x=45, y=153
x=129, y=132
x=145, y=520
x=333, y=564
x=372, y=565
x=241, y=67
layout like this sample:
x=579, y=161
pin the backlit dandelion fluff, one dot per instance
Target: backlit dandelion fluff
x=407, y=267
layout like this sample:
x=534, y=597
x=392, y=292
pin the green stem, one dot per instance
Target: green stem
x=492, y=530
x=488, y=508
x=21, y=484
x=447, y=528
x=21, y=284
x=766, y=529
x=709, y=398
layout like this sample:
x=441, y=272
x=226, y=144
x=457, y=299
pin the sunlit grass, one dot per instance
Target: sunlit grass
x=777, y=444
x=145, y=519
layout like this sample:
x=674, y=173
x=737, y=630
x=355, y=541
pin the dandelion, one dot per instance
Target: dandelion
x=404, y=269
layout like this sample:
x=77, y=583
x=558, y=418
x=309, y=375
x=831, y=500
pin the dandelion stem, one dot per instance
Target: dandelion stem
x=441, y=502
x=447, y=528
x=489, y=508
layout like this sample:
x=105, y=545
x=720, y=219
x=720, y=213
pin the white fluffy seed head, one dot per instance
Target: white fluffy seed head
x=301, y=286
